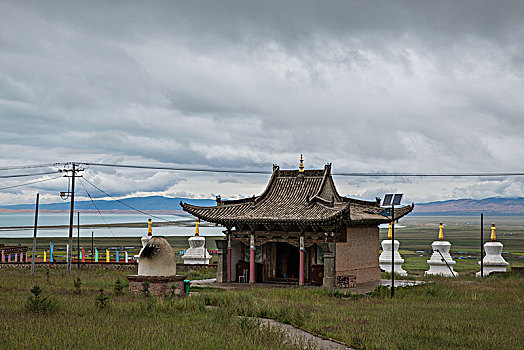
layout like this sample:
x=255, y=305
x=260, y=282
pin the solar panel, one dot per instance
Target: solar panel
x=397, y=198
x=387, y=199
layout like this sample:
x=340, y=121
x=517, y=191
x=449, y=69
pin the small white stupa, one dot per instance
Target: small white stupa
x=440, y=262
x=145, y=239
x=385, y=257
x=493, y=261
x=197, y=252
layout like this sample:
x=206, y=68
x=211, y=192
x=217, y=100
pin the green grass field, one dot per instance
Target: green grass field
x=465, y=313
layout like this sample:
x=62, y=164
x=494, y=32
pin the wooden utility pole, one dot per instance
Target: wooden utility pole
x=481, y=244
x=78, y=241
x=33, y=256
x=70, y=242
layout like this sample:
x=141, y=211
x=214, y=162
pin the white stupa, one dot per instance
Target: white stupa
x=440, y=262
x=197, y=252
x=145, y=239
x=385, y=257
x=493, y=261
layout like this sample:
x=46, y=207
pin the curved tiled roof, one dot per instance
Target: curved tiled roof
x=306, y=198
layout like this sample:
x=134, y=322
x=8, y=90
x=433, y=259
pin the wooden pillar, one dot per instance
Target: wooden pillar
x=8, y=257
x=16, y=257
x=252, y=258
x=302, y=258
x=229, y=256
x=83, y=255
x=3, y=256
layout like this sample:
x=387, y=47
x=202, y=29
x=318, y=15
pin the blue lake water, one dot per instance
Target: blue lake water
x=10, y=220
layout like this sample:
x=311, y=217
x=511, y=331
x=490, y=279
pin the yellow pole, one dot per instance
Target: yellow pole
x=149, y=228
x=389, y=232
x=493, y=235
x=440, y=232
x=196, y=227
x=44, y=256
x=107, y=255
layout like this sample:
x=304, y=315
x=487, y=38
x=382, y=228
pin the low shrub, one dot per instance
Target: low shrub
x=145, y=289
x=36, y=303
x=118, y=287
x=77, y=283
x=102, y=300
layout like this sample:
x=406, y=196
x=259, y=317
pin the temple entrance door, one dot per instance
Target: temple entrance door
x=281, y=262
x=286, y=262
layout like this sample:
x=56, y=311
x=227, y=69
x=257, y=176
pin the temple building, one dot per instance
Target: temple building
x=299, y=230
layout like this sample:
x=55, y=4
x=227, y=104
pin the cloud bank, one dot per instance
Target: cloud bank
x=383, y=86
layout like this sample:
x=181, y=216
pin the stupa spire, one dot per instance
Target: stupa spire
x=493, y=235
x=196, y=227
x=149, y=228
x=440, y=232
x=390, y=229
x=301, y=166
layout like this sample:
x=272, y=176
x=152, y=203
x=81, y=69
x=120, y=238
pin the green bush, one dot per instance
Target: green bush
x=78, y=284
x=36, y=303
x=119, y=287
x=145, y=289
x=102, y=300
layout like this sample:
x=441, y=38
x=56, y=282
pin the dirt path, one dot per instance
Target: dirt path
x=299, y=336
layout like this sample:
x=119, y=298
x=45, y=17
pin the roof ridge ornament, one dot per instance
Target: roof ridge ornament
x=301, y=166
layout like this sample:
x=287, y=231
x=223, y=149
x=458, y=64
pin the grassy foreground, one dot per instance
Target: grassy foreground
x=448, y=313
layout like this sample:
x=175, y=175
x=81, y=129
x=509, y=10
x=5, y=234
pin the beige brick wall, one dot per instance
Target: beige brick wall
x=359, y=255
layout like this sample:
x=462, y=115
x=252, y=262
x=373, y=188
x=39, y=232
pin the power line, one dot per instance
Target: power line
x=31, y=183
x=46, y=165
x=92, y=201
x=237, y=171
x=127, y=205
x=25, y=175
x=429, y=175
x=356, y=174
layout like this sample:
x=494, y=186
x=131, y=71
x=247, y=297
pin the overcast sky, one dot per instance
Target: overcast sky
x=396, y=86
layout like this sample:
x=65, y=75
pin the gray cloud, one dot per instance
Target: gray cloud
x=389, y=86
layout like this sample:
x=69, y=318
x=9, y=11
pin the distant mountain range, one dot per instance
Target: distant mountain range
x=151, y=203
x=489, y=206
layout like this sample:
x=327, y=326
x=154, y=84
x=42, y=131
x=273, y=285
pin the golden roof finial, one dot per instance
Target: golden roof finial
x=441, y=232
x=301, y=167
x=196, y=227
x=149, y=228
x=493, y=235
x=390, y=229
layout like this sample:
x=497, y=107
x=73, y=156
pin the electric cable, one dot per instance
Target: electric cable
x=99, y=213
x=25, y=175
x=46, y=165
x=127, y=205
x=355, y=174
x=30, y=183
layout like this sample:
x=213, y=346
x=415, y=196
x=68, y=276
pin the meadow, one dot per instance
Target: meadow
x=465, y=313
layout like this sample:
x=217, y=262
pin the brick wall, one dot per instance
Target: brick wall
x=359, y=255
